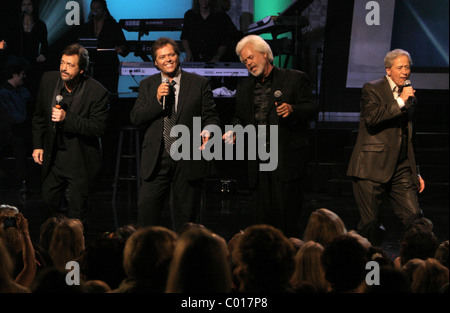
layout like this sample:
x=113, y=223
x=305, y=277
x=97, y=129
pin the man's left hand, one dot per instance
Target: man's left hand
x=284, y=110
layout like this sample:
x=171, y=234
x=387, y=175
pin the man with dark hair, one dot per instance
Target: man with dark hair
x=173, y=97
x=14, y=115
x=70, y=117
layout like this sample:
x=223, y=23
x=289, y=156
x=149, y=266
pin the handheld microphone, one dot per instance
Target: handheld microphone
x=277, y=94
x=164, y=80
x=408, y=84
x=59, y=98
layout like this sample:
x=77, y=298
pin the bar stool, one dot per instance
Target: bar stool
x=131, y=155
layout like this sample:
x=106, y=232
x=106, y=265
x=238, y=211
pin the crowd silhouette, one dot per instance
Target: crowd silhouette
x=327, y=258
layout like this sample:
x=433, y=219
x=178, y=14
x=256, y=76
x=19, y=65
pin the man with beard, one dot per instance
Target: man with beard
x=70, y=117
x=284, y=98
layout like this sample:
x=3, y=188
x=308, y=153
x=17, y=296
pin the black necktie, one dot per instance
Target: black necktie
x=170, y=118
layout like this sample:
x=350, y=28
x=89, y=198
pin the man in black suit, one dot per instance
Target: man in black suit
x=383, y=162
x=66, y=133
x=171, y=98
x=278, y=194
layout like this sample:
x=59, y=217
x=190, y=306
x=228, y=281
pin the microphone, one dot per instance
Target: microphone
x=164, y=80
x=59, y=98
x=408, y=84
x=277, y=94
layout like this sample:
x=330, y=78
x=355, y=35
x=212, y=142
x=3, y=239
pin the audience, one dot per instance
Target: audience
x=146, y=258
x=102, y=260
x=67, y=242
x=442, y=253
x=344, y=260
x=418, y=241
x=265, y=260
x=259, y=259
x=323, y=226
x=429, y=277
x=309, y=268
x=16, y=238
x=200, y=263
x=392, y=280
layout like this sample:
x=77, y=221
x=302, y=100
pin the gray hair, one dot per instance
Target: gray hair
x=257, y=43
x=392, y=55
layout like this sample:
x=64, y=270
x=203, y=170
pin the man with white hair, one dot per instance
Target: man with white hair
x=284, y=98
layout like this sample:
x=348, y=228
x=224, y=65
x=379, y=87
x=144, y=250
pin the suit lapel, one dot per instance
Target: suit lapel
x=183, y=92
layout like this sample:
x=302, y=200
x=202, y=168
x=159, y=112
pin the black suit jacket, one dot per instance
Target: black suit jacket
x=378, y=144
x=292, y=131
x=195, y=99
x=84, y=123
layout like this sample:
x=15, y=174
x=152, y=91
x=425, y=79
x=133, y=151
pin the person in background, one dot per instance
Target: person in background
x=111, y=43
x=205, y=35
x=14, y=105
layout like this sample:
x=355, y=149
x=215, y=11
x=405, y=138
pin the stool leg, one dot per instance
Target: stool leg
x=116, y=178
x=138, y=162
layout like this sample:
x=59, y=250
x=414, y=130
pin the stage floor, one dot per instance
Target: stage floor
x=225, y=214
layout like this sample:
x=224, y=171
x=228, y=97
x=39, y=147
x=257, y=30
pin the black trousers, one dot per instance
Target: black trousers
x=278, y=203
x=185, y=195
x=369, y=195
x=64, y=176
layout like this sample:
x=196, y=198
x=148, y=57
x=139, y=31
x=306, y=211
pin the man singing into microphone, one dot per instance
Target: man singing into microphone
x=66, y=133
x=383, y=162
x=172, y=97
x=281, y=97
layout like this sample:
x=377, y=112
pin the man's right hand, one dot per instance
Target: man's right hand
x=38, y=156
x=229, y=137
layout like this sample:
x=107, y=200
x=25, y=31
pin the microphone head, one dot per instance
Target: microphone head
x=165, y=80
x=407, y=83
x=59, y=98
x=277, y=94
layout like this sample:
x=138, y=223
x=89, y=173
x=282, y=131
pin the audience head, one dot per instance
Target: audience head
x=417, y=242
x=323, y=226
x=345, y=261
x=67, y=242
x=103, y=260
x=46, y=230
x=199, y=256
x=309, y=267
x=429, y=277
x=392, y=280
x=410, y=267
x=265, y=260
x=442, y=253
x=53, y=280
x=147, y=256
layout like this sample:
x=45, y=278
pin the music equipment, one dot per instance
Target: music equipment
x=290, y=20
x=152, y=24
x=221, y=69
